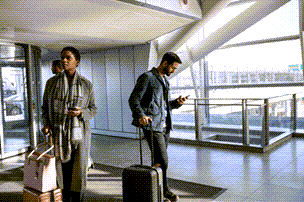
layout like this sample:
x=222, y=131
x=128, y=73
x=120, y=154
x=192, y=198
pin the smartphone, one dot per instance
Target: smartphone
x=72, y=108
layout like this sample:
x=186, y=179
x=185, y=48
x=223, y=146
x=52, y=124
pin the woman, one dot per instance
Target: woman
x=68, y=105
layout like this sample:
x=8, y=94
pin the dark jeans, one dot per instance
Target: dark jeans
x=160, y=144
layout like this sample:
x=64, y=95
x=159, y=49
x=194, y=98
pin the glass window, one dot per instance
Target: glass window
x=182, y=79
x=262, y=63
x=282, y=22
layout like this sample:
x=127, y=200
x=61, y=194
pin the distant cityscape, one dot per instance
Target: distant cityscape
x=253, y=77
x=293, y=74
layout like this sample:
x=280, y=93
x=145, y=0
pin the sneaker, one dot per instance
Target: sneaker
x=171, y=196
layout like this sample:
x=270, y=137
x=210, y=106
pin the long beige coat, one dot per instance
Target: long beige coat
x=88, y=111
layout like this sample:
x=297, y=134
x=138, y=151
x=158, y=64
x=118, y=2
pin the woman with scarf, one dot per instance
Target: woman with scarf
x=68, y=106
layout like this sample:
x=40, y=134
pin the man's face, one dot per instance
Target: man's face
x=170, y=69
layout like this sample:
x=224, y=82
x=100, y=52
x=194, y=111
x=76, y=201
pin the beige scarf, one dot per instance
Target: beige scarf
x=69, y=128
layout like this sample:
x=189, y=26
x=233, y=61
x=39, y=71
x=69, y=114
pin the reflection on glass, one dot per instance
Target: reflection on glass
x=13, y=93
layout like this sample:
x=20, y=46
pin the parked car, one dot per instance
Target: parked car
x=13, y=109
x=13, y=105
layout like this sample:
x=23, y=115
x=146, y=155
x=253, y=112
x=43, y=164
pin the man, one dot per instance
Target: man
x=149, y=102
x=56, y=67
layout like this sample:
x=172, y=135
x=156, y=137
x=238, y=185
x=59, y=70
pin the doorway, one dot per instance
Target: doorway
x=14, y=127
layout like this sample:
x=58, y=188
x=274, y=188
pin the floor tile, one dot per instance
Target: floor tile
x=270, y=192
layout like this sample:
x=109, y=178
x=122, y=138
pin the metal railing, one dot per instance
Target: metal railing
x=264, y=104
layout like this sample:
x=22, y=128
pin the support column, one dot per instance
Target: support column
x=301, y=26
x=30, y=89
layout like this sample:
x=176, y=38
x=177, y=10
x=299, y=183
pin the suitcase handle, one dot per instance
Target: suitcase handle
x=152, y=146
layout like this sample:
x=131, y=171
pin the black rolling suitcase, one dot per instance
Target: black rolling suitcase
x=141, y=182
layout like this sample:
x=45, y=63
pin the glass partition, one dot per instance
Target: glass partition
x=280, y=113
x=300, y=110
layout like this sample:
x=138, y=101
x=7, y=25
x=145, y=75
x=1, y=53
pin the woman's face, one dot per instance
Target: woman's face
x=68, y=61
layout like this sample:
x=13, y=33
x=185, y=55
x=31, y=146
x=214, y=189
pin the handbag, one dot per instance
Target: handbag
x=40, y=170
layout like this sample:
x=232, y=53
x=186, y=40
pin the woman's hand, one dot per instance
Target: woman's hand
x=75, y=112
x=46, y=129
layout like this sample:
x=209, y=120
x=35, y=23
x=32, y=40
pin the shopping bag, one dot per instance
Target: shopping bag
x=40, y=170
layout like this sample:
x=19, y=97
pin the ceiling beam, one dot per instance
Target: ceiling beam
x=173, y=41
x=234, y=27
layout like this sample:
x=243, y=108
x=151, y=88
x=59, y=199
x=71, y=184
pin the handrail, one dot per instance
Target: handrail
x=246, y=98
x=225, y=104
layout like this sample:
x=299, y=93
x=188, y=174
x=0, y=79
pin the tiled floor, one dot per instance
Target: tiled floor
x=274, y=176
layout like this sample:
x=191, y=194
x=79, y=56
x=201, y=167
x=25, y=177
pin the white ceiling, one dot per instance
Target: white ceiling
x=85, y=24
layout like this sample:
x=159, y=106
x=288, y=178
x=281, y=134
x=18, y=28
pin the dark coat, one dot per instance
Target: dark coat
x=146, y=99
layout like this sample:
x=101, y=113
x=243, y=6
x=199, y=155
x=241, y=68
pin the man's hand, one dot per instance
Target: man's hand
x=75, y=112
x=144, y=120
x=181, y=100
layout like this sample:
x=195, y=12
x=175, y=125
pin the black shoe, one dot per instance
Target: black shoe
x=75, y=196
x=171, y=196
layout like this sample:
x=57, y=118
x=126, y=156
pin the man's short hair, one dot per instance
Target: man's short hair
x=171, y=57
x=56, y=63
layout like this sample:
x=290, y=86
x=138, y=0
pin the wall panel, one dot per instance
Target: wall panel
x=127, y=85
x=100, y=88
x=85, y=66
x=113, y=90
x=85, y=69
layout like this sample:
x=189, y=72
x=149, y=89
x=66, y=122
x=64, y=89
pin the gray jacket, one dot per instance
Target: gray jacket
x=147, y=98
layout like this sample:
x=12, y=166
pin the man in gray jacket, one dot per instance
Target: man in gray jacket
x=149, y=101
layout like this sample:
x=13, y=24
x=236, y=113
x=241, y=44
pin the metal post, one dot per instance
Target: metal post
x=206, y=91
x=29, y=83
x=265, y=129
x=246, y=139
x=196, y=119
x=294, y=113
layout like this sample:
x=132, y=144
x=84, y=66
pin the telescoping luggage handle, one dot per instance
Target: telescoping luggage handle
x=152, y=146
